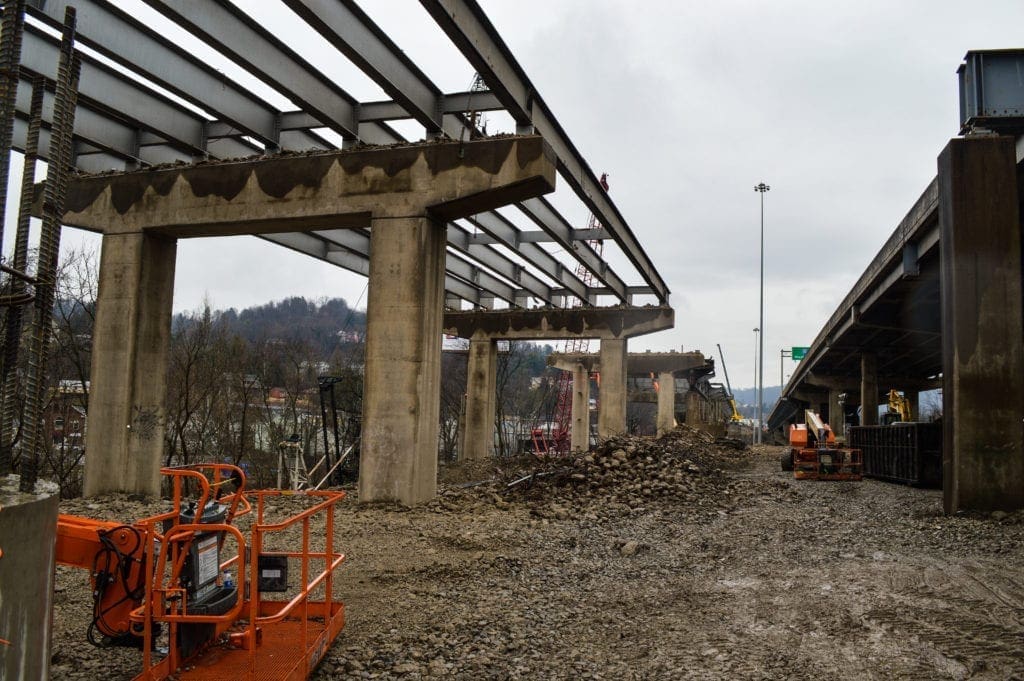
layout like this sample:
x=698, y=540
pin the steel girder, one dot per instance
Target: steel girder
x=122, y=117
x=343, y=24
x=472, y=32
x=234, y=34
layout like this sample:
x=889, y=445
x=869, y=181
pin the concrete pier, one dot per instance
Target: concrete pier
x=28, y=536
x=127, y=416
x=666, y=402
x=580, y=434
x=398, y=457
x=868, y=390
x=611, y=418
x=481, y=399
x=982, y=352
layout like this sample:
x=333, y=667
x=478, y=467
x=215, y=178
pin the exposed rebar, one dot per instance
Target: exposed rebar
x=54, y=194
x=15, y=313
x=11, y=25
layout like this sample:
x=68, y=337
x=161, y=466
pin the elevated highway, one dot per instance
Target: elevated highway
x=941, y=305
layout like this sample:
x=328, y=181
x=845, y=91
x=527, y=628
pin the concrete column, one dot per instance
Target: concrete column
x=914, y=400
x=398, y=457
x=693, y=404
x=128, y=379
x=611, y=415
x=28, y=535
x=481, y=388
x=983, y=326
x=580, y=409
x=835, y=413
x=666, y=402
x=868, y=390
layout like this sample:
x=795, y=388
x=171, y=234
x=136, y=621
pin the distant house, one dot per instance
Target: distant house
x=65, y=418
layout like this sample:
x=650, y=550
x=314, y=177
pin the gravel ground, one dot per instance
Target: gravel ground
x=661, y=559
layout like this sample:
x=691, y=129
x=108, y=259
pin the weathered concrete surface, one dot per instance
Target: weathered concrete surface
x=481, y=398
x=554, y=323
x=836, y=419
x=868, y=390
x=125, y=438
x=580, y=432
x=28, y=535
x=398, y=458
x=693, y=411
x=611, y=417
x=324, y=190
x=914, y=400
x=666, y=421
x=983, y=356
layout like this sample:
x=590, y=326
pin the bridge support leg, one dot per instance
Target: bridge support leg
x=868, y=390
x=481, y=386
x=398, y=456
x=982, y=353
x=611, y=416
x=666, y=402
x=580, y=409
x=914, y=400
x=128, y=379
x=836, y=418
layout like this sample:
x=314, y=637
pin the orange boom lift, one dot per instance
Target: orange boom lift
x=814, y=455
x=187, y=587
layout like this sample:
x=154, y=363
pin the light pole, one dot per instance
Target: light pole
x=761, y=189
x=753, y=431
x=782, y=355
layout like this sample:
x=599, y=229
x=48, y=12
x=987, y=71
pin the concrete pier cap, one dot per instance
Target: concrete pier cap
x=28, y=536
x=613, y=326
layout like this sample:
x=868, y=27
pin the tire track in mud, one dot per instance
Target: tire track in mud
x=970, y=615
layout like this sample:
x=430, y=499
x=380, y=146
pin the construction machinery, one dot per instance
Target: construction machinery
x=899, y=409
x=736, y=417
x=197, y=596
x=814, y=455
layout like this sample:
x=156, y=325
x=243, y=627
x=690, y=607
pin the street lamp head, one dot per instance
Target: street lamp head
x=761, y=188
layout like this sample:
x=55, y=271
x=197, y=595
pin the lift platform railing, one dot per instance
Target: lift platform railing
x=166, y=586
x=277, y=640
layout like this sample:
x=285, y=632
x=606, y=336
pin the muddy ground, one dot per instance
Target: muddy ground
x=671, y=559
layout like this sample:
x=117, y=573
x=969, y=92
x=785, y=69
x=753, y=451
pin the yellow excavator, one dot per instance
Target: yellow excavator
x=899, y=409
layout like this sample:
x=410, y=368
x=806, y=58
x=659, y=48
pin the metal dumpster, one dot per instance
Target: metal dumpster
x=908, y=453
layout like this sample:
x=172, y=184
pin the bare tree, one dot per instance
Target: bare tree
x=194, y=382
x=520, y=404
x=453, y=395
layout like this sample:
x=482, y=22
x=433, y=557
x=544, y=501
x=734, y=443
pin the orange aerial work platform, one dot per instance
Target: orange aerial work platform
x=814, y=454
x=162, y=584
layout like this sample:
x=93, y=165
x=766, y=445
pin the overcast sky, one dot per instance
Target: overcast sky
x=841, y=107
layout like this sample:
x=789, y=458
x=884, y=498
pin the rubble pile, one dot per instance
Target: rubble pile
x=630, y=472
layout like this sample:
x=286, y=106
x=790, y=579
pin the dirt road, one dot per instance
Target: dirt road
x=749, y=575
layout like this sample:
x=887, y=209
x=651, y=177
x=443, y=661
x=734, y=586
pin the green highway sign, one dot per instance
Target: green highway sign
x=798, y=353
